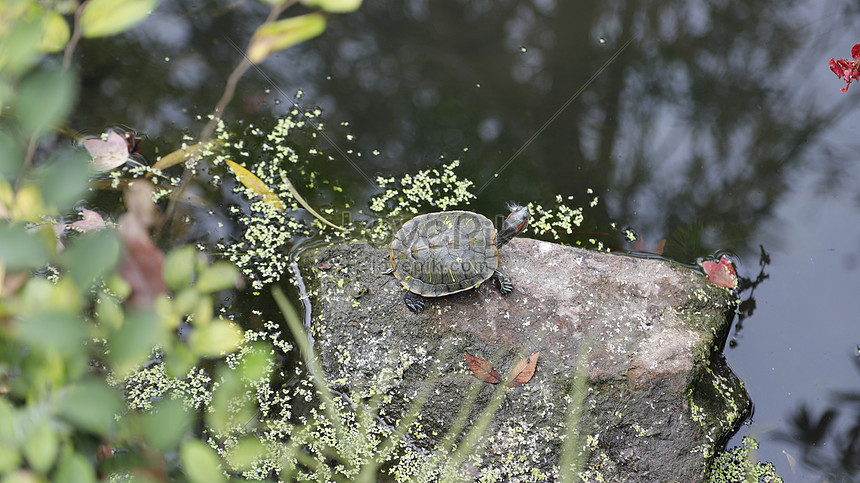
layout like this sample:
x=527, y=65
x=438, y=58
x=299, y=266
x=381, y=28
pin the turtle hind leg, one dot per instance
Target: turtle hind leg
x=505, y=285
x=414, y=301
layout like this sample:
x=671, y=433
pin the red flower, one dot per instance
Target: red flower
x=848, y=70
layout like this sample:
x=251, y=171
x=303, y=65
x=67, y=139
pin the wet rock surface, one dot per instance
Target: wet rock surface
x=639, y=334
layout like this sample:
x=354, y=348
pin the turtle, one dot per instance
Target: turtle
x=446, y=252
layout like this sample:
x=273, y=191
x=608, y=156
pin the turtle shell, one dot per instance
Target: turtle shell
x=443, y=253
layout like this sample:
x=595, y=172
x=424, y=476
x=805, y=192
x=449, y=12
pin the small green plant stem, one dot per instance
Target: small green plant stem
x=305, y=204
x=295, y=325
x=469, y=442
x=572, y=454
x=369, y=472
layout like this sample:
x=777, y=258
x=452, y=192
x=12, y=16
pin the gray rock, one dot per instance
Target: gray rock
x=631, y=341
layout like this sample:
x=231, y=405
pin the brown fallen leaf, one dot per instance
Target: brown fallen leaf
x=483, y=370
x=109, y=153
x=92, y=221
x=524, y=370
x=142, y=265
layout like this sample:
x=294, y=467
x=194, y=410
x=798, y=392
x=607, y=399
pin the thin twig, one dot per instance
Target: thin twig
x=76, y=36
x=31, y=152
x=235, y=76
x=226, y=97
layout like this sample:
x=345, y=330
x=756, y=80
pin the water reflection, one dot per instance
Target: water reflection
x=692, y=120
x=747, y=286
x=828, y=440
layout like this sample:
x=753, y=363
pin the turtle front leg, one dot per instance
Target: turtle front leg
x=505, y=285
x=414, y=301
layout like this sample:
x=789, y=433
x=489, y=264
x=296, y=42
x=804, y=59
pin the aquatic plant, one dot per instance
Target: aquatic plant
x=739, y=464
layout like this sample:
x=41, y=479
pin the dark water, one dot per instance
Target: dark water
x=712, y=125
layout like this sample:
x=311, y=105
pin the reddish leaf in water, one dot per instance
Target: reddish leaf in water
x=483, y=370
x=641, y=246
x=524, y=370
x=143, y=262
x=107, y=154
x=722, y=273
x=92, y=221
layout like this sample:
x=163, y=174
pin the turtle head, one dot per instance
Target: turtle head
x=513, y=225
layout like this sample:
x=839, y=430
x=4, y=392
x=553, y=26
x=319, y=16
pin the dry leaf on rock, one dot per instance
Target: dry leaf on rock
x=524, y=370
x=482, y=369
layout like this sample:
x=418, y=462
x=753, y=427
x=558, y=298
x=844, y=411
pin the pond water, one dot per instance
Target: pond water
x=715, y=126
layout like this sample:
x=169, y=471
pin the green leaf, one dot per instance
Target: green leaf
x=216, y=277
x=40, y=447
x=109, y=312
x=179, y=268
x=179, y=361
x=7, y=421
x=109, y=17
x=45, y=98
x=20, y=248
x=231, y=407
x=64, y=181
x=257, y=362
x=164, y=427
x=52, y=332
x=215, y=339
x=91, y=256
x=133, y=343
x=202, y=314
x=11, y=155
x=186, y=301
x=91, y=405
x=19, y=50
x=246, y=453
x=74, y=468
x=334, y=6
x=274, y=36
x=41, y=295
x=10, y=459
x=118, y=286
x=200, y=462
x=55, y=32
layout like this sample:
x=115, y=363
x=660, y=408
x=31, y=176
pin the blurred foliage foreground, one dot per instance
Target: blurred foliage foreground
x=114, y=361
